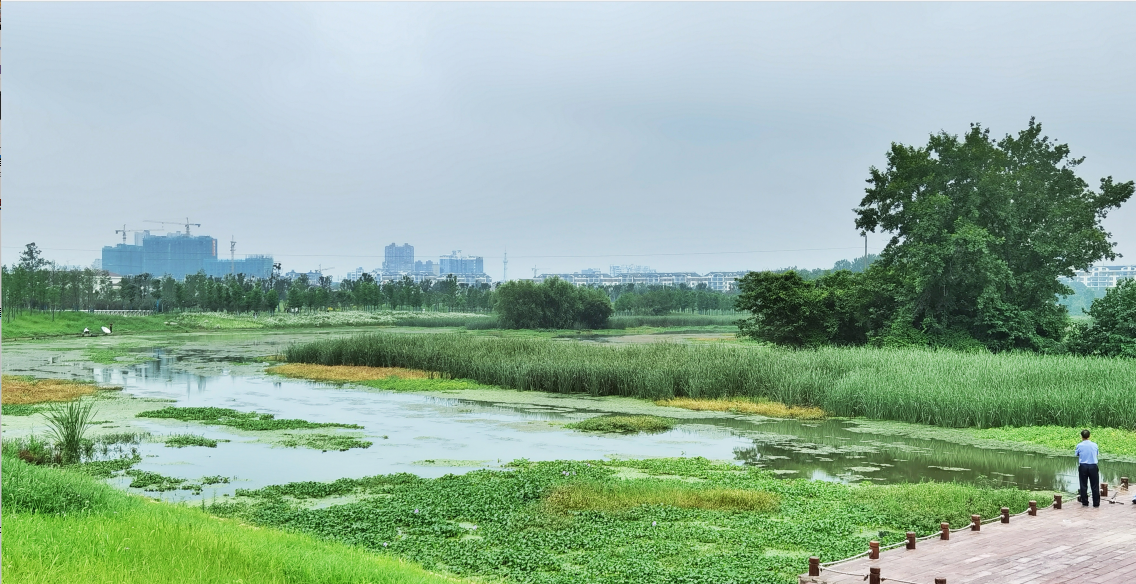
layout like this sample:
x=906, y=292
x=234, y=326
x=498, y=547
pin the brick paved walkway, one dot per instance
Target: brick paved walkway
x=1073, y=544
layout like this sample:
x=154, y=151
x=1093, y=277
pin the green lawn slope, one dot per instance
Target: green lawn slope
x=61, y=527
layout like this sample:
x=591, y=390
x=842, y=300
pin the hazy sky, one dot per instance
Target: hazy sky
x=690, y=136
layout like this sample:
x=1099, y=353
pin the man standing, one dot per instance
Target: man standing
x=1087, y=469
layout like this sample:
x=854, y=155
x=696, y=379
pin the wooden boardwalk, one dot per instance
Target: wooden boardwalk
x=1078, y=544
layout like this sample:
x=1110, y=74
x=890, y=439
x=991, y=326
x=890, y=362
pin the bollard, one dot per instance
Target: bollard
x=1124, y=483
x=873, y=575
x=975, y=522
x=873, y=550
x=1033, y=508
x=946, y=527
x=910, y=540
x=814, y=566
x=1005, y=514
x=1104, y=489
x=940, y=581
x=1056, y=501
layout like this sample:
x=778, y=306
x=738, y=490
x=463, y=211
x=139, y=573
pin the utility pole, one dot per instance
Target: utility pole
x=865, y=251
x=232, y=253
x=505, y=269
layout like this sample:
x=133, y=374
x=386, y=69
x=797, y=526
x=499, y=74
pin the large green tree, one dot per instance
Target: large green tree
x=1113, y=329
x=981, y=229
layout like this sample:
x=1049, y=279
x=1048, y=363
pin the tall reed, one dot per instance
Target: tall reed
x=67, y=424
x=922, y=386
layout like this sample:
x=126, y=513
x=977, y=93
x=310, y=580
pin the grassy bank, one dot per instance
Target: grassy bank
x=63, y=527
x=920, y=386
x=42, y=325
x=627, y=522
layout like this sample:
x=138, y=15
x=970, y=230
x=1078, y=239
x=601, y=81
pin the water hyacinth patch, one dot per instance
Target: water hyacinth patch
x=566, y=521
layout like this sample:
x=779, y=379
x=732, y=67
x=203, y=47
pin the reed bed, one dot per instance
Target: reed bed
x=942, y=388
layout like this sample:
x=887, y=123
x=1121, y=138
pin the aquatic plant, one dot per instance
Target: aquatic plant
x=688, y=520
x=623, y=424
x=183, y=440
x=241, y=420
x=937, y=387
x=67, y=424
x=23, y=390
x=625, y=495
x=323, y=442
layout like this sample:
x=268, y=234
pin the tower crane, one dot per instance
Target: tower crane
x=124, y=231
x=187, y=224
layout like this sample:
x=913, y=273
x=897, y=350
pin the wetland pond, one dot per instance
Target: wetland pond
x=433, y=434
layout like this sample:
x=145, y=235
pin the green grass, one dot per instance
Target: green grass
x=673, y=320
x=111, y=355
x=941, y=387
x=251, y=421
x=183, y=440
x=41, y=325
x=623, y=424
x=675, y=520
x=436, y=384
x=1110, y=440
x=65, y=528
x=323, y=442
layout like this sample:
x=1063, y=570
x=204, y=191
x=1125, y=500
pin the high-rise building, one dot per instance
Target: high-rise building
x=398, y=258
x=456, y=263
x=178, y=255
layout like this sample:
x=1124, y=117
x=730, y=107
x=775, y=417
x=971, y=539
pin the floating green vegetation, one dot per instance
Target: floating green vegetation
x=1111, y=440
x=156, y=482
x=625, y=495
x=323, y=442
x=105, y=469
x=623, y=424
x=936, y=387
x=21, y=409
x=113, y=355
x=240, y=420
x=183, y=440
x=686, y=520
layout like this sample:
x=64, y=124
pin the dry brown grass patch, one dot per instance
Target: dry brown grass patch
x=346, y=373
x=744, y=406
x=26, y=390
x=621, y=497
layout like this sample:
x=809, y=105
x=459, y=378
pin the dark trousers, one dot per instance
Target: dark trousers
x=1089, y=474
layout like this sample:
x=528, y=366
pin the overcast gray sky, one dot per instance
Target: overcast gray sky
x=691, y=136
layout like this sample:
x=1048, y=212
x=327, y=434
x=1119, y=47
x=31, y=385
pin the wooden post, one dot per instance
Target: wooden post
x=873, y=550
x=940, y=581
x=873, y=575
x=814, y=566
x=1104, y=489
x=910, y=540
x=1005, y=514
x=1056, y=501
x=975, y=522
x=1124, y=483
x=946, y=528
x=1033, y=508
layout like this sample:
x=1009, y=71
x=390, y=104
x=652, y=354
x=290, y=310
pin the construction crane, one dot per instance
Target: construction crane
x=187, y=224
x=124, y=231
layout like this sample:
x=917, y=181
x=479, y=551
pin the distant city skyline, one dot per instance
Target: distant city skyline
x=684, y=136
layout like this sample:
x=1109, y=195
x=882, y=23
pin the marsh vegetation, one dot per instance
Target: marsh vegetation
x=937, y=387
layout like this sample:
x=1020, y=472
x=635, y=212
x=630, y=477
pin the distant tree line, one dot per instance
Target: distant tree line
x=642, y=300
x=982, y=232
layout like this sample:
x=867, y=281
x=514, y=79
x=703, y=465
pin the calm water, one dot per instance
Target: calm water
x=433, y=436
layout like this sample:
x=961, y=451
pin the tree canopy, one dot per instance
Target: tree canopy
x=981, y=230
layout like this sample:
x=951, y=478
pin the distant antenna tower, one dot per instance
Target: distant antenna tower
x=505, y=270
x=534, y=272
x=232, y=253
